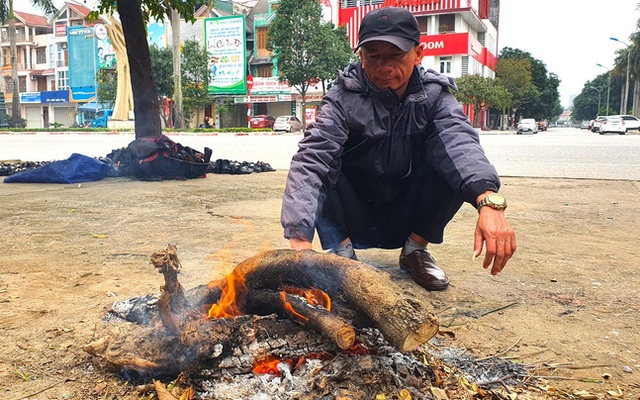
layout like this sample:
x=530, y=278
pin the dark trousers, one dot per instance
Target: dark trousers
x=382, y=213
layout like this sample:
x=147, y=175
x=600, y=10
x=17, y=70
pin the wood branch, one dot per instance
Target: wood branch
x=172, y=299
x=404, y=321
x=331, y=326
x=181, y=337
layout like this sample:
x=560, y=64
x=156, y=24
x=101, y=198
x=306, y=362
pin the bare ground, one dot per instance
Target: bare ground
x=566, y=305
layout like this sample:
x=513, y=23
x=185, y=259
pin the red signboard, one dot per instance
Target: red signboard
x=249, y=83
x=61, y=29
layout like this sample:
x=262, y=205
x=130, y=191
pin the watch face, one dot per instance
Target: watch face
x=497, y=199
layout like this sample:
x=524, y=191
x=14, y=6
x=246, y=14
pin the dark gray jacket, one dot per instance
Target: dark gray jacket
x=373, y=134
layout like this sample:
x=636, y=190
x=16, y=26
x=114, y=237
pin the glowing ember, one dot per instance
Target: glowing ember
x=270, y=366
x=315, y=297
x=227, y=307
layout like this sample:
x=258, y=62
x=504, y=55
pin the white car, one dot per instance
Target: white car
x=613, y=124
x=527, y=125
x=287, y=123
x=631, y=123
x=595, y=126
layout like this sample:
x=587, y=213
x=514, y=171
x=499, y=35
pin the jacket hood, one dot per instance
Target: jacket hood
x=353, y=78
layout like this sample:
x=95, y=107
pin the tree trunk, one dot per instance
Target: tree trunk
x=178, y=115
x=16, y=117
x=636, y=98
x=145, y=95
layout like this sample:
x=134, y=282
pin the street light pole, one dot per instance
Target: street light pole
x=595, y=88
x=608, y=85
x=626, y=85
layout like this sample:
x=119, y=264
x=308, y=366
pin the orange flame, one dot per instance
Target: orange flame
x=227, y=307
x=314, y=296
x=270, y=366
x=289, y=308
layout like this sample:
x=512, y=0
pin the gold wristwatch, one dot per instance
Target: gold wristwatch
x=493, y=200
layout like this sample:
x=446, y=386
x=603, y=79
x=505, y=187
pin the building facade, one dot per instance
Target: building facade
x=460, y=38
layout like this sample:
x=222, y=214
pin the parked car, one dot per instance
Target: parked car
x=614, y=124
x=287, y=123
x=527, y=125
x=631, y=123
x=585, y=125
x=261, y=121
x=595, y=127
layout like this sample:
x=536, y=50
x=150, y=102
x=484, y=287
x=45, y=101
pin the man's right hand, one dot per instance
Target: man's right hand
x=300, y=244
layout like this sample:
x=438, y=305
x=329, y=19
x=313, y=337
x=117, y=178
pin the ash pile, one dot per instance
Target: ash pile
x=289, y=344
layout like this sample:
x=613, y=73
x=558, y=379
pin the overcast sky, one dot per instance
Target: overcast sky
x=569, y=36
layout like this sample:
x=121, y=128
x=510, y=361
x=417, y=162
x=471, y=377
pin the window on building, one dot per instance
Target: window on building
x=22, y=84
x=60, y=56
x=52, y=58
x=261, y=34
x=264, y=71
x=62, y=80
x=445, y=65
x=8, y=85
x=447, y=23
x=41, y=55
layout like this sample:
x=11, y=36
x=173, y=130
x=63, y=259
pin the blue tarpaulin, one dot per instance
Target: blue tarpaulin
x=75, y=169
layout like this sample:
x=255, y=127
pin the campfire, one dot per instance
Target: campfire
x=283, y=324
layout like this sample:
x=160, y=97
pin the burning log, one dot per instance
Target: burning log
x=319, y=319
x=181, y=336
x=404, y=321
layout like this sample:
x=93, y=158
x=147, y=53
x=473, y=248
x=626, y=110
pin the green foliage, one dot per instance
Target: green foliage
x=6, y=6
x=480, y=92
x=534, y=89
x=295, y=37
x=515, y=76
x=162, y=69
x=195, y=77
x=337, y=53
x=155, y=9
x=592, y=101
x=107, y=86
x=227, y=107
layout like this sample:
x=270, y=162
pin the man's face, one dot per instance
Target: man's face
x=387, y=66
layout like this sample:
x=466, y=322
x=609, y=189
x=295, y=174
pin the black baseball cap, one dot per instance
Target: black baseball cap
x=395, y=25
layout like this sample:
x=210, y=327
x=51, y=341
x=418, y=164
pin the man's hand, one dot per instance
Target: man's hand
x=300, y=244
x=498, y=237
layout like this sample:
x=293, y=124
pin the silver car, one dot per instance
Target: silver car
x=287, y=123
x=527, y=125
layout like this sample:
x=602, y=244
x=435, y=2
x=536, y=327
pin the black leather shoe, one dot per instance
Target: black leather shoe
x=424, y=270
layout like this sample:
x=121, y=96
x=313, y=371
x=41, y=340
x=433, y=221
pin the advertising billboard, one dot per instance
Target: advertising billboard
x=224, y=40
x=83, y=54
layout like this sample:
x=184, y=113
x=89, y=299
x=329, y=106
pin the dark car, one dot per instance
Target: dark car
x=261, y=121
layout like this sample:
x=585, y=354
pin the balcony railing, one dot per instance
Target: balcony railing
x=19, y=37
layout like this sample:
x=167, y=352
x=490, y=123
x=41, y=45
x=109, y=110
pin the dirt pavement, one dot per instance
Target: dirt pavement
x=568, y=303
